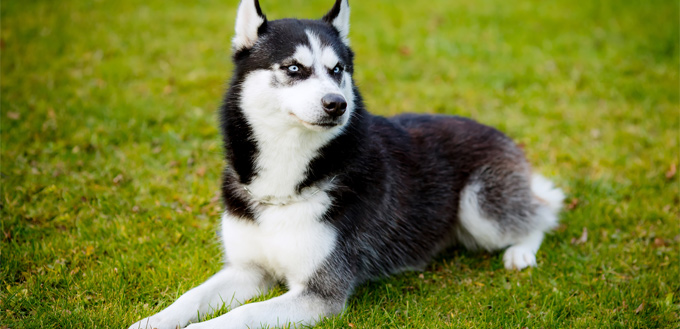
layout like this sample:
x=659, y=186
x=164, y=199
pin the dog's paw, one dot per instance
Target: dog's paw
x=157, y=322
x=518, y=258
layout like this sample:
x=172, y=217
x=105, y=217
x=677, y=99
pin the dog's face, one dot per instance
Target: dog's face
x=294, y=72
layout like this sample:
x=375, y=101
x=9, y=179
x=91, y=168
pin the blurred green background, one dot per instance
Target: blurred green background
x=111, y=154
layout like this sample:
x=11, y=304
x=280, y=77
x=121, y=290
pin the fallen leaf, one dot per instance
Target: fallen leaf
x=201, y=171
x=671, y=171
x=351, y=325
x=118, y=179
x=405, y=50
x=582, y=239
x=640, y=308
x=167, y=89
x=659, y=242
x=573, y=203
x=13, y=115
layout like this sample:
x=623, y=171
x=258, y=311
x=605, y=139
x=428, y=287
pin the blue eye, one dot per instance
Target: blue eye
x=337, y=69
x=293, y=68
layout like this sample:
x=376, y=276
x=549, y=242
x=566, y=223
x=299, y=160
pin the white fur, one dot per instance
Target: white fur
x=231, y=287
x=247, y=23
x=523, y=254
x=485, y=233
x=304, y=56
x=285, y=145
x=328, y=58
x=481, y=232
x=341, y=22
x=289, y=241
x=282, y=119
x=546, y=192
x=291, y=307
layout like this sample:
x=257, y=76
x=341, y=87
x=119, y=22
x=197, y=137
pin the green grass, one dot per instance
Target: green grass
x=111, y=154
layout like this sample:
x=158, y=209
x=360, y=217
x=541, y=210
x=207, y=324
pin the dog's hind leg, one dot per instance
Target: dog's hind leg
x=231, y=287
x=504, y=209
x=547, y=201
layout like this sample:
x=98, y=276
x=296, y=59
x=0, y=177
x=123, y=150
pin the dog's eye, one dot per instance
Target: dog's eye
x=337, y=69
x=293, y=68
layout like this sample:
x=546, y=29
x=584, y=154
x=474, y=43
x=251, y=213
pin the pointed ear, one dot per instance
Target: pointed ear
x=249, y=20
x=338, y=16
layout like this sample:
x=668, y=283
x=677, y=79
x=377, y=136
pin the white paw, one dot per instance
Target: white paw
x=157, y=322
x=518, y=258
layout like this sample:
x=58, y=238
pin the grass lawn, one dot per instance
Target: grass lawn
x=111, y=156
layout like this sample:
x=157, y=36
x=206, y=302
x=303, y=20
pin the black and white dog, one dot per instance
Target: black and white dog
x=322, y=196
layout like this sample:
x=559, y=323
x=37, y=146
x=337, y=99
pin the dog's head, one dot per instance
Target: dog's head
x=294, y=72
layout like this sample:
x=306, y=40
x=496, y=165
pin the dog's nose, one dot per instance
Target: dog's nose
x=334, y=104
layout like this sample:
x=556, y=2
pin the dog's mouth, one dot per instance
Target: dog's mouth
x=319, y=125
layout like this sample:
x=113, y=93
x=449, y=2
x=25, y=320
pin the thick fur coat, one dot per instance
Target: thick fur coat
x=321, y=195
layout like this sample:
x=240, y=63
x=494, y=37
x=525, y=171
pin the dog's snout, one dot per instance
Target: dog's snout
x=334, y=104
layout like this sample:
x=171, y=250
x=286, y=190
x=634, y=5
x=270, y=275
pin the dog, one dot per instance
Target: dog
x=322, y=196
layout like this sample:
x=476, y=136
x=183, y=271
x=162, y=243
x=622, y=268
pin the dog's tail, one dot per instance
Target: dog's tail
x=550, y=199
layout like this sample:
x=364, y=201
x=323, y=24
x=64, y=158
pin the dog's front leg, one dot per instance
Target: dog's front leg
x=298, y=306
x=231, y=287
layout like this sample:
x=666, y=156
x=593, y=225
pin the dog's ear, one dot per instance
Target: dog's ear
x=249, y=23
x=338, y=16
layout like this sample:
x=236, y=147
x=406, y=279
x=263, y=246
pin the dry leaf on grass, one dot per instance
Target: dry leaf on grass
x=640, y=308
x=572, y=204
x=671, y=171
x=582, y=239
x=659, y=242
x=405, y=50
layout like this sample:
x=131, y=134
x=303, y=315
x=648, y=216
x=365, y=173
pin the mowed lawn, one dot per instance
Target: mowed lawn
x=111, y=156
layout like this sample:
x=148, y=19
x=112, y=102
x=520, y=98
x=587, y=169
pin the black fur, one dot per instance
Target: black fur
x=397, y=180
x=333, y=13
x=274, y=45
x=390, y=188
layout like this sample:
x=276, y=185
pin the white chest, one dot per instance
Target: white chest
x=289, y=241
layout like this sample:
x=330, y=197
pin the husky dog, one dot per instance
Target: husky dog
x=322, y=196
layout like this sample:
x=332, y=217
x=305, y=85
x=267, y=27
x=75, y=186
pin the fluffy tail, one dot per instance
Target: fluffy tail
x=548, y=195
